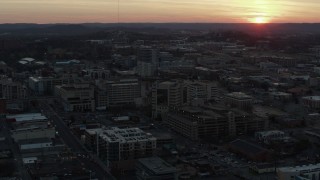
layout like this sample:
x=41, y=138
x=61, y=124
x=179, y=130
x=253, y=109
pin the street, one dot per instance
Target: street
x=73, y=142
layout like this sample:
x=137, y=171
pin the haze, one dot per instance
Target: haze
x=231, y=11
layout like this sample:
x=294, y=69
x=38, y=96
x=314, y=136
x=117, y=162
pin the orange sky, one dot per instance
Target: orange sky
x=78, y=11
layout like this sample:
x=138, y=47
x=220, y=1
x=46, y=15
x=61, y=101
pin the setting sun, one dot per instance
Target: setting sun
x=259, y=20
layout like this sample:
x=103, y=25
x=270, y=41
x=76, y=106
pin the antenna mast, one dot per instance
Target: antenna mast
x=118, y=11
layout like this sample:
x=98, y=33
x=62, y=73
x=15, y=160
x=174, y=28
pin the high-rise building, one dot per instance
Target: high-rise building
x=45, y=85
x=147, y=61
x=120, y=148
x=176, y=93
x=11, y=90
x=76, y=97
x=239, y=100
x=145, y=69
x=199, y=122
x=204, y=90
x=167, y=94
x=118, y=92
x=148, y=54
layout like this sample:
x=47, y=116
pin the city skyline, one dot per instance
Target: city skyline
x=159, y=11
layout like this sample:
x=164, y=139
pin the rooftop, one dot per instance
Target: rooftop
x=34, y=141
x=116, y=134
x=28, y=59
x=239, y=95
x=245, y=146
x=268, y=133
x=28, y=117
x=157, y=165
x=314, y=98
x=300, y=168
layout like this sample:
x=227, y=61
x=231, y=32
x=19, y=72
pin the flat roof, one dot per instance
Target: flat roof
x=245, y=146
x=300, y=168
x=28, y=117
x=34, y=141
x=157, y=165
x=239, y=95
x=314, y=98
x=28, y=59
x=115, y=134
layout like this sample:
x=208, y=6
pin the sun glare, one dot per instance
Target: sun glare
x=259, y=20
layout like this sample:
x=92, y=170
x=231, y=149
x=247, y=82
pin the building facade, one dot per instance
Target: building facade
x=239, y=100
x=76, y=97
x=120, y=148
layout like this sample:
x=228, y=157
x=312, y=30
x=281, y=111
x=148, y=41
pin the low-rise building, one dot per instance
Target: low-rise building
x=311, y=172
x=282, y=96
x=262, y=168
x=154, y=168
x=312, y=102
x=35, y=131
x=249, y=150
x=269, y=136
x=37, y=143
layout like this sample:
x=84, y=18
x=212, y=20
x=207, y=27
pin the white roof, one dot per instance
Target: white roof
x=29, y=160
x=314, y=98
x=23, y=62
x=28, y=117
x=28, y=59
x=300, y=168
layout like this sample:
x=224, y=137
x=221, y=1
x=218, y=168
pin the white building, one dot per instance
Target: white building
x=120, y=148
x=37, y=143
x=311, y=172
x=45, y=85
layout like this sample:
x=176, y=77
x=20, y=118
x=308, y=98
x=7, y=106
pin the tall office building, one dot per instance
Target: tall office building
x=118, y=92
x=204, y=90
x=120, y=148
x=147, y=61
x=45, y=85
x=239, y=100
x=10, y=90
x=166, y=95
x=207, y=121
x=76, y=97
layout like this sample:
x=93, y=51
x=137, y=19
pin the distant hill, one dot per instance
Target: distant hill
x=76, y=29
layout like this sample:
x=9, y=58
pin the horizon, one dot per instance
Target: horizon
x=116, y=23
